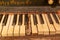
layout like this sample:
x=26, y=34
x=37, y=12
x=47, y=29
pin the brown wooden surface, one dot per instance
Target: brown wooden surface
x=32, y=38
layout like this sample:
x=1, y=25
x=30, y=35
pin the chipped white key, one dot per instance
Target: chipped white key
x=39, y=25
x=45, y=27
x=51, y=27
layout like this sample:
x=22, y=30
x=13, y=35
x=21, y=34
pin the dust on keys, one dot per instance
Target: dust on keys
x=29, y=24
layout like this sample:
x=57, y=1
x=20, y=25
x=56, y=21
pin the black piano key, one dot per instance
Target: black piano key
x=41, y=19
x=14, y=19
x=5, y=19
x=54, y=16
x=35, y=19
x=20, y=19
x=26, y=19
x=50, y=19
x=1, y=15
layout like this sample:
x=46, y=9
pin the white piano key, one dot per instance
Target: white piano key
x=5, y=20
x=2, y=19
x=22, y=27
x=34, y=28
x=10, y=30
x=39, y=25
x=1, y=25
x=57, y=26
x=5, y=28
x=45, y=27
x=16, y=28
x=51, y=27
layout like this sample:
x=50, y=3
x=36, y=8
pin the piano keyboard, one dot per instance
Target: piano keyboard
x=29, y=24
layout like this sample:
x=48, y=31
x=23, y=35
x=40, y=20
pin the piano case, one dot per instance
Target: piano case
x=26, y=6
